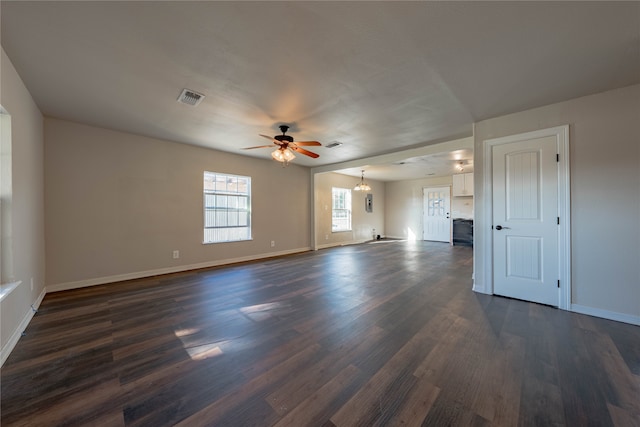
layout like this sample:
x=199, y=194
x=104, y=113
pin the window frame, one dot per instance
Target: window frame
x=227, y=194
x=348, y=209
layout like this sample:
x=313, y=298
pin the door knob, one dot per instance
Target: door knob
x=499, y=227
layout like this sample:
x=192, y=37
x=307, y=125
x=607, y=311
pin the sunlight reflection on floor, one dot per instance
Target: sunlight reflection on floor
x=202, y=352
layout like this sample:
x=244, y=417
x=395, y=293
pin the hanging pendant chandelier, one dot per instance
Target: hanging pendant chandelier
x=362, y=186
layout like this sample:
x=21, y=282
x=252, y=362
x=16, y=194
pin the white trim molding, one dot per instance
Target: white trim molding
x=337, y=244
x=605, y=314
x=13, y=340
x=561, y=133
x=157, y=272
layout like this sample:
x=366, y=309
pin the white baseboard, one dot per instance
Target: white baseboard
x=480, y=289
x=148, y=273
x=590, y=311
x=31, y=311
x=605, y=314
x=327, y=245
x=349, y=243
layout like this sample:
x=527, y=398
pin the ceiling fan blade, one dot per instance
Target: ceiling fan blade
x=308, y=143
x=259, y=146
x=270, y=138
x=303, y=151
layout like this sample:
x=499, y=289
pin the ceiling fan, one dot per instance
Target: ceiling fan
x=286, y=146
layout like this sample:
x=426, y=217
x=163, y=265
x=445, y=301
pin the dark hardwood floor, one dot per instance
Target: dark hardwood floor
x=379, y=334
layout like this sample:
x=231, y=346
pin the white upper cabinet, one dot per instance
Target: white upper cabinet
x=463, y=184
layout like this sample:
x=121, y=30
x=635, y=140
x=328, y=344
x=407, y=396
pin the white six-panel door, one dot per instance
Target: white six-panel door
x=525, y=220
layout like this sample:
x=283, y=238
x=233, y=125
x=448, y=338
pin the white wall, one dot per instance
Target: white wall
x=604, y=134
x=118, y=204
x=27, y=216
x=462, y=207
x=404, y=206
x=362, y=222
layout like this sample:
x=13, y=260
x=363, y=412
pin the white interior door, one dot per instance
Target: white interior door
x=525, y=220
x=437, y=208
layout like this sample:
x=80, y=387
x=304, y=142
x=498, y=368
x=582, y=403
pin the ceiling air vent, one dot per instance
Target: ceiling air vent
x=334, y=144
x=190, y=97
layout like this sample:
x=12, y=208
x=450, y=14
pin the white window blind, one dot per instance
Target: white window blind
x=227, y=207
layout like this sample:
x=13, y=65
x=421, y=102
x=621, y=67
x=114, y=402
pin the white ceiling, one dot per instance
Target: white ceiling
x=428, y=166
x=377, y=76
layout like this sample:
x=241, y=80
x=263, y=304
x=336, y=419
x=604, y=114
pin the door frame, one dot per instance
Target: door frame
x=561, y=133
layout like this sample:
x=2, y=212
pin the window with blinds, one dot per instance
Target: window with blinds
x=227, y=208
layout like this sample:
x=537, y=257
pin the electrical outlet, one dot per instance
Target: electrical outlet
x=326, y=237
x=273, y=243
x=176, y=254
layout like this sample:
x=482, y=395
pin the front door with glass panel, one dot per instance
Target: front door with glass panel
x=437, y=222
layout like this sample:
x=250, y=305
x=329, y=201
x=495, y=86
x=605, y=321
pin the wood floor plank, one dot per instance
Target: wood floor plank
x=308, y=410
x=376, y=400
x=626, y=340
x=499, y=399
x=305, y=385
x=377, y=334
x=622, y=417
x=232, y=400
x=55, y=355
x=542, y=404
x=445, y=412
x=68, y=409
x=624, y=387
x=418, y=402
x=434, y=365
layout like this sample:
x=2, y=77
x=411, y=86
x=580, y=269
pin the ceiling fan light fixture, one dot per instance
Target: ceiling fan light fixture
x=283, y=155
x=277, y=155
x=362, y=186
x=288, y=155
x=286, y=147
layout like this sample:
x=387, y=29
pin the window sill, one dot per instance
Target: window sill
x=7, y=288
x=227, y=241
